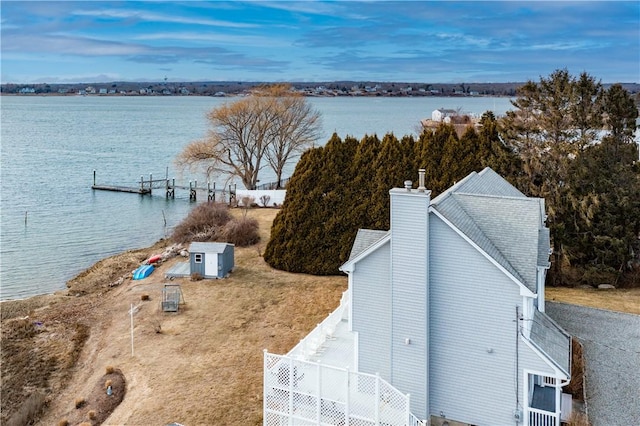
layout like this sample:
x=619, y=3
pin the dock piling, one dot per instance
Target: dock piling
x=192, y=191
x=211, y=194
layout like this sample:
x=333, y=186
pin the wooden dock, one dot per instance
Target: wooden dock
x=128, y=189
x=169, y=186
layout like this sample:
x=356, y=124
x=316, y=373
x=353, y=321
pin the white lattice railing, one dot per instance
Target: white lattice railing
x=302, y=392
x=542, y=418
x=308, y=347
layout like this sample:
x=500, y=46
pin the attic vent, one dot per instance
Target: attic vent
x=407, y=185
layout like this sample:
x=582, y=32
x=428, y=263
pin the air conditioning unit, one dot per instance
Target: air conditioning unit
x=517, y=415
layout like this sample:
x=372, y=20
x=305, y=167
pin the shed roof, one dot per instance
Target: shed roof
x=208, y=247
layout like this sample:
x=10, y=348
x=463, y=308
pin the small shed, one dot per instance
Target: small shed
x=211, y=260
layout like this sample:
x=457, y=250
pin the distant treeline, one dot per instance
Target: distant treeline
x=227, y=88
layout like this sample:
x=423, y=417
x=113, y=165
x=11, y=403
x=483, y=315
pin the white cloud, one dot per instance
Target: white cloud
x=160, y=18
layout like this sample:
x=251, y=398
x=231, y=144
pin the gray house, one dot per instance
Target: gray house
x=443, y=320
x=211, y=260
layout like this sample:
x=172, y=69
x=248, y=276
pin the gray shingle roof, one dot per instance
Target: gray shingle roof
x=502, y=221
x=365, y=238
x=552, y=340
x=206, y=247
x=487, y=182
x=544, y=244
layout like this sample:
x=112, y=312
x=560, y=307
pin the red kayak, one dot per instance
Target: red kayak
x=154, y=259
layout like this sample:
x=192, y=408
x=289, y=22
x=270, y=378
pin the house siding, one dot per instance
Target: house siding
x=409, y=299
x=371, y=312
x=481, y=346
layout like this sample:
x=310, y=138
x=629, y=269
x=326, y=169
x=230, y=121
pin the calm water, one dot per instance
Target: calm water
x=51, y=145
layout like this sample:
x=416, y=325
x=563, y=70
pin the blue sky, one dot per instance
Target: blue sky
x=410, y=41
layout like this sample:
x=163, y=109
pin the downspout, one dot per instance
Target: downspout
x=517, y=366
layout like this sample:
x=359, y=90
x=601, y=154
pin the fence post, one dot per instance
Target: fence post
x=346, y=399
x=290, y=391
x=408, y=414
x=319, y=404
x=377, y=413
x=265, y=385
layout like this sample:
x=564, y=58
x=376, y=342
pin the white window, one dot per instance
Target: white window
x=197, y=257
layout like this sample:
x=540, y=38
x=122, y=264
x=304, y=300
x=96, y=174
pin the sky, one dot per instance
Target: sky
x=317, y=41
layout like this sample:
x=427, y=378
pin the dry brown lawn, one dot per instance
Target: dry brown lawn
x=200, y=366
x=204, y=366
x=622, y=300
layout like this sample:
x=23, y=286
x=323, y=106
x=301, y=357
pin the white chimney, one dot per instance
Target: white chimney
x=409, y=273
x=421, y=186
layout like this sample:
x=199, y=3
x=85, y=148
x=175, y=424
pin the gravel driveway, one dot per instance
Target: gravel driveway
x=611, y=342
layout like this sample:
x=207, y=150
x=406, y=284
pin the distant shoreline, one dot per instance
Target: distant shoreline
x=311, y=89
x=111, y=95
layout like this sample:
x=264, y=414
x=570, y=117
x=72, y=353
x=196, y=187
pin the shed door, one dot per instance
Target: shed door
x=211, y=265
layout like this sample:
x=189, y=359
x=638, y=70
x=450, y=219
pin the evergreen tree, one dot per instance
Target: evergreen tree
x=586, y=111
x=606, y=201
x=364, y=188
x=311, y=220
x=584, y=175
x=568, y=141
x=492, y=151
x=390, y=170
x=433, y=145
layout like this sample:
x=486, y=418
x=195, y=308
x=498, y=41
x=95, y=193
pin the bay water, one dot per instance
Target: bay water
x=53, y=225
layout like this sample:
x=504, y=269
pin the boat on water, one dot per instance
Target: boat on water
x=143, y=272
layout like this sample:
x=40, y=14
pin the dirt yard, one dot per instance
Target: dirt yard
x=199, y=366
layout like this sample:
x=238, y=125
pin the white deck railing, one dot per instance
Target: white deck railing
x=309, y=346
x=542, y=418
x=303, y=392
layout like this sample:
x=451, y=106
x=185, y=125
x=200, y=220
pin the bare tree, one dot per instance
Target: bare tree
x=296, y=129
x=272, y=123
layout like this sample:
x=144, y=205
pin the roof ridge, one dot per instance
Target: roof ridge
x=505, y=197
x=452, y=188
